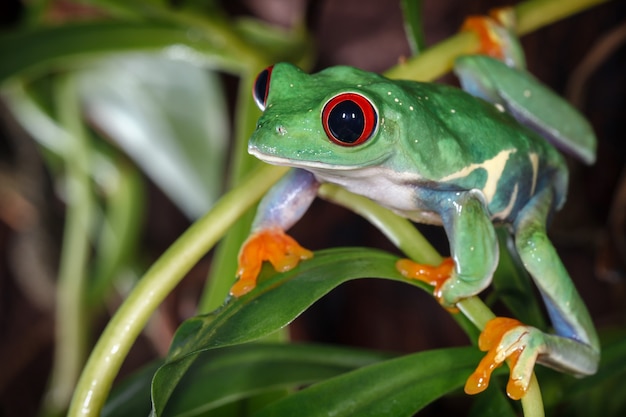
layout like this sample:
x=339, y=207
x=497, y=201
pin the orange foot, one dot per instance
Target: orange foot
x=505, y=338
x=492, y=31
x=272, y=245
x=490, y=40
x=432, y=275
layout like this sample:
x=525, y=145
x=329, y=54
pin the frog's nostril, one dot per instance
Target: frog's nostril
x=281, y=130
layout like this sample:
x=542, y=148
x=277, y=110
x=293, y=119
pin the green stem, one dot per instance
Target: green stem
x=406, y=237
x=535, y=14
x=438, y=60
x=119, y=235
x=70, y=320
x=532, y=403
x=224, y=265
x=400, y=231
x=157, y=283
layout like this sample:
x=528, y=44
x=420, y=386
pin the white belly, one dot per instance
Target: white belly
x=389, y=189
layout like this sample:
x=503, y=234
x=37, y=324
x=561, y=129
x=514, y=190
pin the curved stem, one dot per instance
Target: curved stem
x=71, y=323
x=535, y=14
x=224, y=264
x=438, y=60
x=157, y=283
x=532, y=403
x=397, y=229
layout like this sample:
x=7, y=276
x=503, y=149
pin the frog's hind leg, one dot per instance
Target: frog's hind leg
x=574, y=348
x=565, y=307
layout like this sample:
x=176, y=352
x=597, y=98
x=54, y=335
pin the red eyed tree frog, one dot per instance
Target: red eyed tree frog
x=440, y=155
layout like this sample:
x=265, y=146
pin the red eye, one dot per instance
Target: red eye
x=349, y=119
x=261, y=87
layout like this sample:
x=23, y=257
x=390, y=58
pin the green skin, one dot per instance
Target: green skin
x=442, y=156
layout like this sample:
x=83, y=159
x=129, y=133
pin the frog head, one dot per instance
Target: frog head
x=328, y=120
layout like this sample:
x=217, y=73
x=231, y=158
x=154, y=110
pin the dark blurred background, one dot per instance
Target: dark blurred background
x=574, y=56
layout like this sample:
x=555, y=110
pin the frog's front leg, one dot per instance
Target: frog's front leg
x=473, y=249
x=574, y=348
x=281, y=207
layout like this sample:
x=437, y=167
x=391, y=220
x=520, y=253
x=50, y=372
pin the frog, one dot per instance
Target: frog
x=467, y=159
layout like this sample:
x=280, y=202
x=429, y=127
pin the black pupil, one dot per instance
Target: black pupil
x=260, y=87
x=346, y=121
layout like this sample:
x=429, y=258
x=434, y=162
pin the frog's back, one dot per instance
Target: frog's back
x=461, y=142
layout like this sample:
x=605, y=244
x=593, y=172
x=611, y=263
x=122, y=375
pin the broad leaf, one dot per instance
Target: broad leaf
x=493, y=403
x=277, y=300
x=588, y=396
x=222, y=376
x=280, y=298
x=396, y=388
x=172, y=122
x=131, y=397
x=36, y=50
x=225, y=375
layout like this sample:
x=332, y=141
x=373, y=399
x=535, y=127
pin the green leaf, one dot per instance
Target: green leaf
x=276, y=301
x=397, y=387
x=221, y=376
x=413, y=25
x=279, y=298
x=127, y=8
x=131, y=397
x=603, y=393
x=172, y=122
x=36, y=50
x=492, y=403
x=277, y=43
x=118, y=237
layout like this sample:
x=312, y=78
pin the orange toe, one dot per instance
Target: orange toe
x=494, y=331
x=490, y=43
x=431, y=275
x=478, y=381
x=272, y=245
x=488, y=341
x=513, y=389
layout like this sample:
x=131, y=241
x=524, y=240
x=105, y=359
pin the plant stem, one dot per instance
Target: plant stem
x=156, y=284
x=532, y=403
x=439, y=59
x=70, y=315
x=398, y=230
x=535, y=14
x=117, y=242
x=224, y=265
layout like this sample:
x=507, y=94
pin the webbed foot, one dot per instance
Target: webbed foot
x=504, y=338
x=272, y=245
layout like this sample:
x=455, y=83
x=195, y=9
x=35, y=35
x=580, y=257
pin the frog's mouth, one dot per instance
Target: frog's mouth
x=268, y=156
